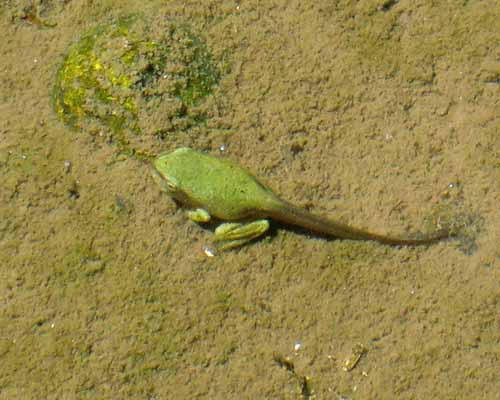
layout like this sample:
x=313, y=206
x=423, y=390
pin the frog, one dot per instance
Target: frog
x=215, y=188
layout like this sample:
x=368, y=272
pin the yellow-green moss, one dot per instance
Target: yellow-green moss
x=134, y=79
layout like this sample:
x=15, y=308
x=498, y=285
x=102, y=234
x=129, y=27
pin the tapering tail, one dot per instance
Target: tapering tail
x=290, y=214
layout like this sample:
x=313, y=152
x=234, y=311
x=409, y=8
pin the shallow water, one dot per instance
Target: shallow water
x=380, y=114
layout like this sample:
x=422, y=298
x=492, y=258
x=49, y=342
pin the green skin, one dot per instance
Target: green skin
x=212, y=187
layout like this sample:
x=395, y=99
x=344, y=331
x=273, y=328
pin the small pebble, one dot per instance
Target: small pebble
x=67, y=166
x=209, y=252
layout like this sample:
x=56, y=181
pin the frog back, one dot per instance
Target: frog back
x=226, y=190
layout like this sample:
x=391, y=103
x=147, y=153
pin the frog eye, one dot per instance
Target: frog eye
x=167, y=183
x=171, y=184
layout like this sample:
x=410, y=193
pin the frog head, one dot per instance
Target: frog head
x=164, y=171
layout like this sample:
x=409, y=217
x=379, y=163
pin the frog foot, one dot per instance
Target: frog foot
x=230, y=235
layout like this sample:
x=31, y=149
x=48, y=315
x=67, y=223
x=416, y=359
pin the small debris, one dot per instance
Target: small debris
x=209, y=251
x=358, y=351
x=304, y=381
x=73, y=193
x=284, y=362
x=305, y=387
x=30, y=15
x=67, y=166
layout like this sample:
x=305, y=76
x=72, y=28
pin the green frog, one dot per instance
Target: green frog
x=212, y=187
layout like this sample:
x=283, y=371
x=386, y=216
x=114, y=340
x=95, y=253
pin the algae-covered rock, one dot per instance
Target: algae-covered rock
x=136, y=80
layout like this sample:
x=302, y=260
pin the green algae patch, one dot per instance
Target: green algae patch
x=134, y=81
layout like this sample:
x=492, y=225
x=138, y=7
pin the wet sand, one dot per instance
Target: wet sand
x=380, y=114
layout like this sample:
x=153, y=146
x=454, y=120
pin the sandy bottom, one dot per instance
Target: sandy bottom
x=382, y=114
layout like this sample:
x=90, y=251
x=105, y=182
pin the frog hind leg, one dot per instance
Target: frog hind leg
x=230, y=235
